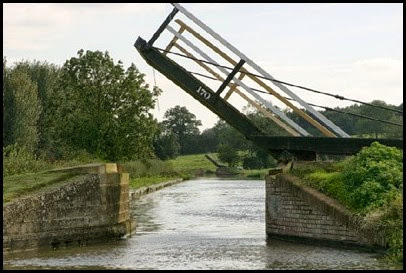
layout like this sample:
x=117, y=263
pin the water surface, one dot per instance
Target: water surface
x=206, y=223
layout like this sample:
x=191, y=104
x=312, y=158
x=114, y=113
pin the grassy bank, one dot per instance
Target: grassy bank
x=19, y=185
x=148, y=172
x=370, y=184
x=151, y=171
x=21, y=177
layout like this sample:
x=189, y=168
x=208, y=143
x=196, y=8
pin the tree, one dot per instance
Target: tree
x=228, y=154
x=179, y=121
x=373, y=127
x=45, y=76
x=230, y=136
x=166, y=145
x=104, y=109
x=21, y=109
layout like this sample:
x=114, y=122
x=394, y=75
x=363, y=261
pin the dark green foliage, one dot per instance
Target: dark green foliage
x=104, y=109
x=17, y=159
x=148, y=168
x=251, y=162
x=182, y=123
x=369, y=126
x=21, y=110
x=45, y=76
x=370, y=184
x=357, y=126
x=166, y=146
x=257, y=158
x=228, y=154
x=373, y=174
x=267, y=125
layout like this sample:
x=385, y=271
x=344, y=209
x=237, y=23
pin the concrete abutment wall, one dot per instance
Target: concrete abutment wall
x=298, y=213
x=93, y=207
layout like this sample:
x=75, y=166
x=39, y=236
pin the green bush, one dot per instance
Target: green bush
x=148, y=167
x=372, y=174
x=370, y=184
x=17, y=160
x=228, y=154
x=252, y=162
x=331, y=184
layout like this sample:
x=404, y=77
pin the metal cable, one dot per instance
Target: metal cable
x=285, y=83
x=325, y=107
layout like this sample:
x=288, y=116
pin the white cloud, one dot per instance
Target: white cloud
x=364, y=80
x=34, y=26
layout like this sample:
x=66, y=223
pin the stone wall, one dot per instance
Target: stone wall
x=299, y=213
x=94, y=206
x=152, y=188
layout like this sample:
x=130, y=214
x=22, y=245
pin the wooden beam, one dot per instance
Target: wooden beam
x=260, y=70
x=230, y=77
x=248, y=89
x=233, y=86
x=256, y=105
x=173, y=41
x=316, y=124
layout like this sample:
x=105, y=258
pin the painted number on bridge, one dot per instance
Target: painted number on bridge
x=202, y=92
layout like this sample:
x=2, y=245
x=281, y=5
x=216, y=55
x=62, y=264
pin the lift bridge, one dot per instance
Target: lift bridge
x=300, y=143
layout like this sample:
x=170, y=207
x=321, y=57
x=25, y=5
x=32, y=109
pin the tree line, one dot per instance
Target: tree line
x=93, y=105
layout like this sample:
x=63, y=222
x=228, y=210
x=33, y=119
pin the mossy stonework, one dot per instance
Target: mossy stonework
x=93, y=207
x=299, y=213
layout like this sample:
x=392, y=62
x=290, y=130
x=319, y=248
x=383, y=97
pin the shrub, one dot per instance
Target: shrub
x=370, y=184
x=252, y=162
x=17, y=160
x=372, y=174
x=228, y=154
x=331, y=184
x=148, y=167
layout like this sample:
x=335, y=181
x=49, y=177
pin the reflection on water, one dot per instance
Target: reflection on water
x=199, y=224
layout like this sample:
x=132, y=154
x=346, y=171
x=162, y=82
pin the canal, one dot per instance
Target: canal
x=206, y=223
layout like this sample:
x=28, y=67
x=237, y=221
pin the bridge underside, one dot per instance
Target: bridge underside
x=303, y=148
x=306, y=148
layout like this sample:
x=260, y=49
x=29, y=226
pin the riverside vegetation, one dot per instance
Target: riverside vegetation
x=370, y=184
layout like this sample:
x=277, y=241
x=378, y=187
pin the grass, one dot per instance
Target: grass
x=255, y=174
x=19, y=185
x=193, y=163
x=142, y=173
x=330, y=179
x=150, y=172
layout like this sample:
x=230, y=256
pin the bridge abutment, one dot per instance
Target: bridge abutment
x=296, y=212
x=93, y=207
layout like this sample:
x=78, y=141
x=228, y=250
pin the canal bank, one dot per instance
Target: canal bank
x=199, y=224
x=92, y=206
x=136, y=193
x=299, y=213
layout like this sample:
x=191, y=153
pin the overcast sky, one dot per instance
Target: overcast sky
x=354, y=50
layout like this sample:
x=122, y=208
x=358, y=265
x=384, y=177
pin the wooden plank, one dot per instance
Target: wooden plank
x=266, y=103
x=320, y=127
x=260, y=70
x=173, y=41
x=230, y=77
x=197, y=89
x=161, y=28
x=233, y=86
x=256, y=105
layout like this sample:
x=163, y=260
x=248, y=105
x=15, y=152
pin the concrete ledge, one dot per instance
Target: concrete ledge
x=92, y=168
x=148, y=189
